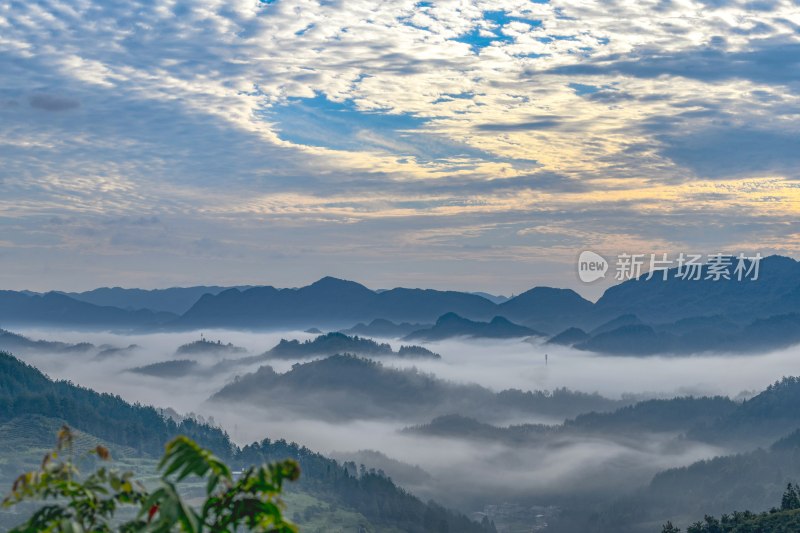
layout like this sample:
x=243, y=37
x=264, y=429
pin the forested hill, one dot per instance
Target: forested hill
x=335, y=343
x=25, y=392
x=343, y=387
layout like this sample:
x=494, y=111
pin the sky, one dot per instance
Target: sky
x=449, y=144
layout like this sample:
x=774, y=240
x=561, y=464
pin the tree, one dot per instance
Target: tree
x=783, y=520
x=669, y=528
x=791, y=499
x=76, y=505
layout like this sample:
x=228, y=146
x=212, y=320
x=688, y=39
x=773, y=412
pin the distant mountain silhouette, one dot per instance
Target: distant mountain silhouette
x=18, y=308
x=20, y=344
x=451, y=325
x=328, y=302
x=175, y=300
x=380, y=327
x=494, y=298
x=637, y=317
x=14, y=342
x=687, y=336
x=622, y=320
x=569, y=336
x=547, y=309
x=776, y=291
x=636, y=339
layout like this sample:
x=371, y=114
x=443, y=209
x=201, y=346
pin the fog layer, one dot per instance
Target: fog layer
x=536, y=473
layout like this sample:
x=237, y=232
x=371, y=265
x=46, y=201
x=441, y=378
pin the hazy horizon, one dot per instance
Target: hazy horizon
x=590, y=292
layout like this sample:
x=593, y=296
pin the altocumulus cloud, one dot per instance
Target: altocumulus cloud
x=294, y=124
x=51, y=102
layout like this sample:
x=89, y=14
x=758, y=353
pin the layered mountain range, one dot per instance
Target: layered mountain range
x=637, y=317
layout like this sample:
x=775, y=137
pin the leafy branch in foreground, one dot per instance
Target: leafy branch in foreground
x=72, y=504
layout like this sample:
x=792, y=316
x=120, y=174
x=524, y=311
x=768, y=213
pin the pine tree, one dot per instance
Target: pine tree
x=791, y=499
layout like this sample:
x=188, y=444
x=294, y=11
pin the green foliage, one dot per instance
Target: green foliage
x=783, y=520
x=72, y=504
x=27, y=394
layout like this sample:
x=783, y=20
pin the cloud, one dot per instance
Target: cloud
x=539, y=469
x=50, y=102
x=735, y=151
x=306, y=122
x=543, y=124
x=769, y=61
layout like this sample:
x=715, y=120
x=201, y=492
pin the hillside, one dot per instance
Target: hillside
x=10, y=341
x=175, y=300
x=753, y=480
x=19, y=308
x=330, y=302
x=207, y=347
x=451, y=325
x=380, y=327
x=167, y=369
x=25, y=391
x=348, y=387
x=760, y=420
x=547, y=308
x=336, y=343
x=29, y=401
x=627, y=335
x=657, y=301
x=674, y=416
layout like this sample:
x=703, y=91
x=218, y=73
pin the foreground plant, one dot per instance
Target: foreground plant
x=75, y=504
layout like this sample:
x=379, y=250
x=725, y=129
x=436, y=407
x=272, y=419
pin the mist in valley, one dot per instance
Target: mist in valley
x=459, y=471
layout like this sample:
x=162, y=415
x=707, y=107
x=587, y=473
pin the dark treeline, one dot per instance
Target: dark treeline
x=334, y=343
x=783, y=519
x=25, y=391
x=346, y=387
x=370, y=492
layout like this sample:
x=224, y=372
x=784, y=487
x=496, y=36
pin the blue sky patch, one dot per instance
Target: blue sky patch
x=449, y=97
x=321, y=122
x=501, y=18
x=581, y=89
x=478, y=39
x=478, y=42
